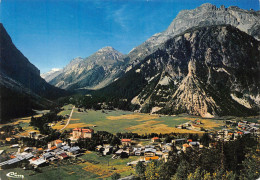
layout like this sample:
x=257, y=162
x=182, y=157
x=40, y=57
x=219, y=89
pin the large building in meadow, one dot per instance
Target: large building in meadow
x=82, y=133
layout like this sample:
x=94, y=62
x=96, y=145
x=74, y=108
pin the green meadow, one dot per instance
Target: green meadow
x=122, y=121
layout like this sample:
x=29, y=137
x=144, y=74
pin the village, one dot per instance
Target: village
x=150, y=149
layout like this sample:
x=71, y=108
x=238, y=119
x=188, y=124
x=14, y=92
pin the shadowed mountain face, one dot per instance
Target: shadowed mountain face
x=21, y=85
x=16, y=66
x=95, y=71
x=16, y=100
x=205, y=71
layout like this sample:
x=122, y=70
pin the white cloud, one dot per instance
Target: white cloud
x=119, y=16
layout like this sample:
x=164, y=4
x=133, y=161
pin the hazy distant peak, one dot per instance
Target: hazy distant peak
x=55, y=69
x=95, y=71
x=51, y=74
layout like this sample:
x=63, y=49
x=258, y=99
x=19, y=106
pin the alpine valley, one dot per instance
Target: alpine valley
x=206, y=63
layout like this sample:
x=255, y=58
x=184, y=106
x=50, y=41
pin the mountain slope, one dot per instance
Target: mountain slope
x=93, y=72
x=16, y=100
x=206, y=71
x=21, y=87
x=205, y=15
x=16, y=66
x=101, y=75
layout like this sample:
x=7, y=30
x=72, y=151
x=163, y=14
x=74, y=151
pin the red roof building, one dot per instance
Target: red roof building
x=82, y=133
x=126, y=142
x=58, y=141
x=155, y=139
x=53, y=147
x=12, y=156
x=63, y=156
x=151, y=158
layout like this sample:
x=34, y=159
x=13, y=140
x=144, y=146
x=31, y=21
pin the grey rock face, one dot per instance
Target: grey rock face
x=206, y=71
x=205, y=15
x=93, y=72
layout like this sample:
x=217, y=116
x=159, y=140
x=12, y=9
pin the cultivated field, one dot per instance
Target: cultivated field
x=125, y=121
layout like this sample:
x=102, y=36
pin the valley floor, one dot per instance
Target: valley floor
x=114, y=121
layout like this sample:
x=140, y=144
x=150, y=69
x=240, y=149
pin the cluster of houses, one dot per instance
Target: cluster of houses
x=55, y=150
x=127, y=148
x=154, y=150
x=239, y=129
x=192, y=125
x=38, y=157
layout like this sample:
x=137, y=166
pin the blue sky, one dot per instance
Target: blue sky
x=52, y=32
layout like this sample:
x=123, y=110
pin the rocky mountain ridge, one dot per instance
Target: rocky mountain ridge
x=205, y=15
x=207, y=71
x=92, y=72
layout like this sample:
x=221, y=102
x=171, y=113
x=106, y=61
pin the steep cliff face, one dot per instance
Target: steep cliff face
x=93, y=72
x=17, y=100
x=206, y=71
x=16, y=66
x=205, y=15
x=13, y=63
x=21, y=87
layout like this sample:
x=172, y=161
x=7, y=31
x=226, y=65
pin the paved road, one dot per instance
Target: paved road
x=68, y=119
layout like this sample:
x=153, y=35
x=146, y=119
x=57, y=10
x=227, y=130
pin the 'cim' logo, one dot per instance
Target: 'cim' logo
x=14, y=175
